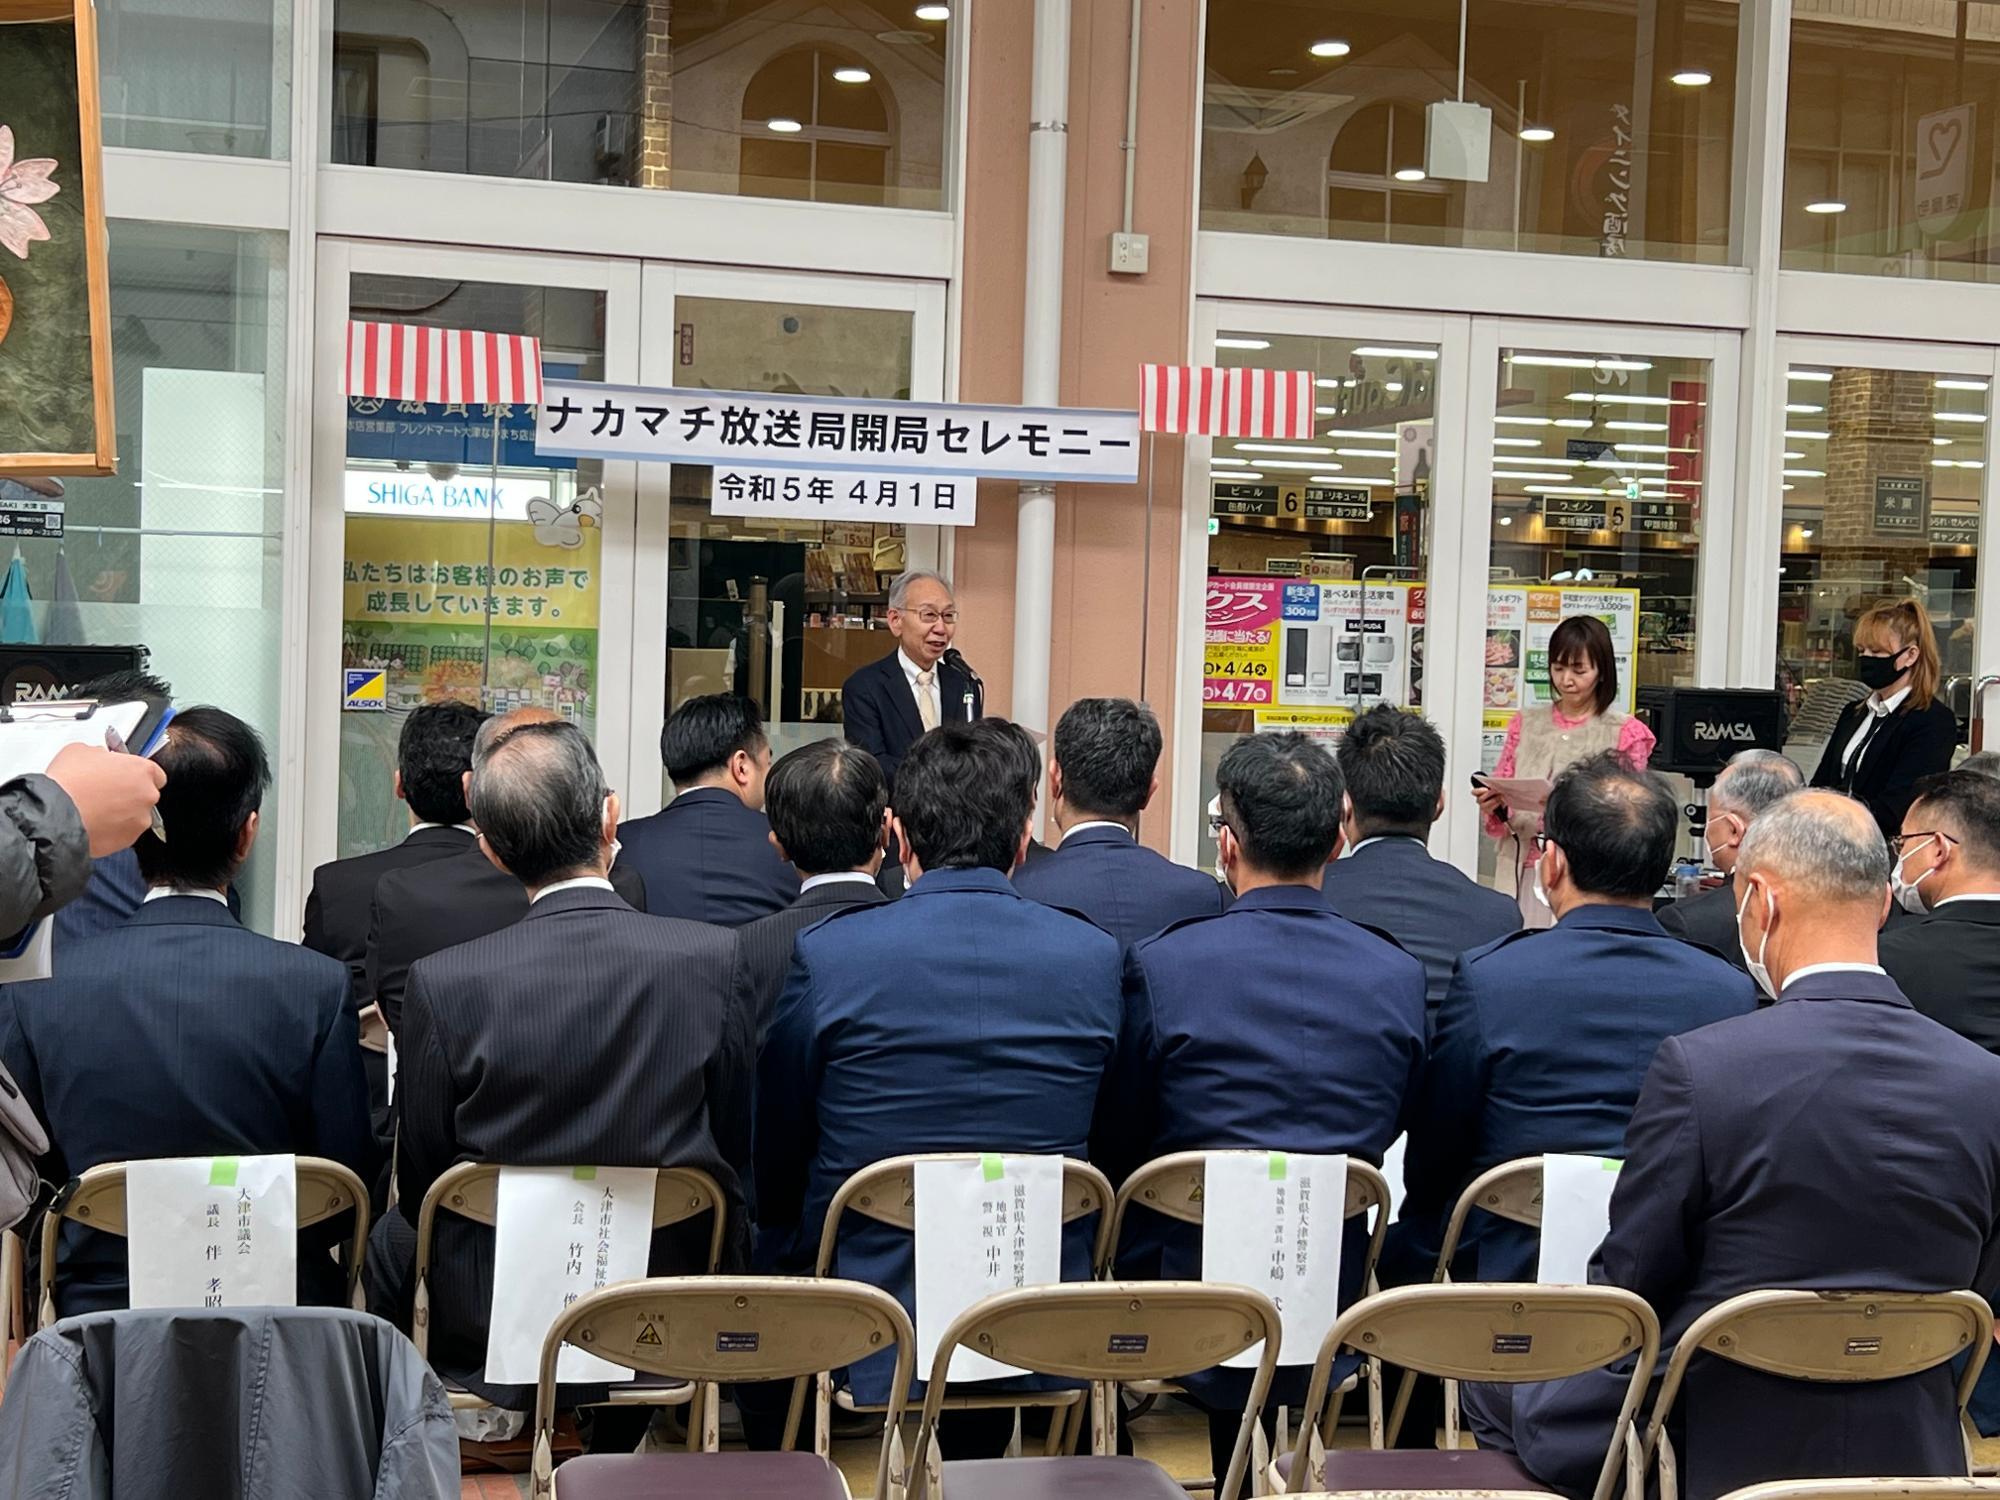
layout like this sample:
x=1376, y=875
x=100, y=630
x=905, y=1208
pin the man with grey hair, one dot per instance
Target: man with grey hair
x=889, y=703
x=1834, y=1141
x=585, y=1034
x=1752, y=782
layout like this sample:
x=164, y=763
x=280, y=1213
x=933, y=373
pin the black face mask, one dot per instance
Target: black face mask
x=1877, y=672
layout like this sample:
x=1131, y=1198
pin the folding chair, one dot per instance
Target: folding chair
x=96, y=1200
x=13, y=1299
x=1501, y=1333
x=471, y=1190
x=1109, y=1333
x=1176, y=1187
x=1845, y=1337
x=709, y=1330
x=1870, y=1489
x=887, y=1193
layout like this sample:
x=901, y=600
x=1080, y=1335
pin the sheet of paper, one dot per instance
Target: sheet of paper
x=1392, y=1173
x=1576, y=1215
x=40, y=730
x=983, y=1226
x=560, y=1232
x=36, y=959
x=220, y=1231
x=1522, y=794
x=1273, y=1222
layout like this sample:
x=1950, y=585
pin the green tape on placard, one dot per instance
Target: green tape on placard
x=1278, y=1166
x=990, y=1168
x=222, y=1172
x=584, y=1174
x=1609, y=1163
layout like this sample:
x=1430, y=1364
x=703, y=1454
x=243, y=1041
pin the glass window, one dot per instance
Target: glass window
x=1598, y=462
x=212, y=76
x=1881, y=502
x=180, y=551
x=830, y=103
x=455, y=589
x=780, y=611
x=1318, y=551
x=1889, y=140
x=1608, y=127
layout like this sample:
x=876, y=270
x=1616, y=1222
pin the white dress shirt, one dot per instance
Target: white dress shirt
x=834, y=877
x=918, y=690
x=461, y=827
x=1968, y=896
x=1810, y=969
x=1878, y=710
x=581, y=883
x=161, y=892
x=1093, y=823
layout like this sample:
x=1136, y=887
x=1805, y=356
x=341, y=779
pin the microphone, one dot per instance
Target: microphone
x=975, y=701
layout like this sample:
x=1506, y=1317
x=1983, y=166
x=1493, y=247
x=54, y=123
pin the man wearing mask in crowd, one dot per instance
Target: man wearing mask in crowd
x=1753, y=781
x=1946, y=874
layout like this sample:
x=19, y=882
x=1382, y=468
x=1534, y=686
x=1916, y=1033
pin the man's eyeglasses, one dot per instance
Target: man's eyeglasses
x=1901, y=843
x=930, y=617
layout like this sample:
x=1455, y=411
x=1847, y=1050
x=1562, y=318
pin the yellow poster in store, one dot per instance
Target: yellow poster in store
x=407, y=571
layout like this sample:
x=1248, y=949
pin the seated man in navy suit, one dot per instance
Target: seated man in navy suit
x=1198, y=1069
x=182, y=1033
x=1103, y=766
x=707, y=855
x=1542, y=1040
x=887, y=704
x=1394, y=763
x=963, y=1017
x=1836, y=1140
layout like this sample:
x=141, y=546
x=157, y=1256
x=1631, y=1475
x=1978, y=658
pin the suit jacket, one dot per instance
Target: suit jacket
x=341, y=904
x=764, y=947
x=1192, y=1074
x=1121, y=885
x=115, y=890
x=962, y=1017
x=1948, y=964
x=1707, y=919
x=1427, y=905
x=891, y=882
x=880, y=711
x=432, y=907
x=1540, y=1046
x=1909, y=745
x=708, y=858
x=584, y=1034
x=1835, y=1140
x=182, y=1033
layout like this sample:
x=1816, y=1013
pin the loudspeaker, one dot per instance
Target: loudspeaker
x=1698, y=729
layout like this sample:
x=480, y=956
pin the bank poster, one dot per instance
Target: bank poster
x=1520, y=618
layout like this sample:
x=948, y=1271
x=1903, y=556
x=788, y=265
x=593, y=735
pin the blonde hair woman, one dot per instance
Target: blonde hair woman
x=1884, y=744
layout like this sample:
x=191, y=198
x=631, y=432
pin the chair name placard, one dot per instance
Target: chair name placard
x=213, y=1231
x=982, y=1227
x=1273, y=1221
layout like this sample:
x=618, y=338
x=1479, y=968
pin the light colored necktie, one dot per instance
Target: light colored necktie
x=926, y=704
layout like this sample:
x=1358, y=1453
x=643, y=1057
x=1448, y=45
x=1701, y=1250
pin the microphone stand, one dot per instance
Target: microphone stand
x=975, y=701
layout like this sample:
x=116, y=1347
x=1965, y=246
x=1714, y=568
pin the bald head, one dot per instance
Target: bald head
x=1821, y=846
x=539, y=798
x=503, y=724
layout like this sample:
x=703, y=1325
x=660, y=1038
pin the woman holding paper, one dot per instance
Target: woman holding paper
x=1541, y=742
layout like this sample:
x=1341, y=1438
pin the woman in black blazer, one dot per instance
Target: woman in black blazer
x=1884, y=744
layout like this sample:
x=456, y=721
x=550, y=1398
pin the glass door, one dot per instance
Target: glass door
x=778, y=610
x=426, y=568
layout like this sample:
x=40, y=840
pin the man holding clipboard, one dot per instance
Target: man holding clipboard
x=87, y=801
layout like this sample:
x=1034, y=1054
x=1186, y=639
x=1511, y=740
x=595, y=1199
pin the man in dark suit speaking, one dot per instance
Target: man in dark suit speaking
x=889, y=703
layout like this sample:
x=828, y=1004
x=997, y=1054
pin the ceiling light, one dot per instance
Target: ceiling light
x=1392, y=385
x=1395, y=351
x=1623, y=424
x=1805, y=473
x=1363, y=452
x=1938, y=442
x=1792, y=453
x=1506, y=520
x=1562, y=489
x=1971, y=463
x=1359, y=432
x=1283, y=448
x=1827, y=206
x=1527, y=474
x=1803, y=407
x=852, y=75
x=1523, y=421
x=1804, y=531
x=1687, y=78
x=1542, y=458
x=1649, y=448
x=1245, y=463
x=784, y=126
x=1607, y=398
x=1787, y=487
x=1237, y=476
x=1510, y=442
x=1810, y=437
x=1579, y=422
x=1329, y=49
x=1944, y=463
x=1272, y=463
x=1233, y=343
x=943, y=13
x=1959, y=385
x=1959, y=416
x=1821, y=375
x=1537, y=133
x=1578, y=362
x=1409, y=174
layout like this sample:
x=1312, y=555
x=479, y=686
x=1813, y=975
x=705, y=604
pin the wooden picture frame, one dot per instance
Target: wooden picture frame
x=56, y=413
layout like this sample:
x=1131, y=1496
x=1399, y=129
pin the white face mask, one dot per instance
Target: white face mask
x=1756, y=966
x=1541, y=891
x=1907, y=895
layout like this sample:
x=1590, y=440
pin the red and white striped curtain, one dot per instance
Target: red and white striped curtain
x=403, y=362
x=1211, y=402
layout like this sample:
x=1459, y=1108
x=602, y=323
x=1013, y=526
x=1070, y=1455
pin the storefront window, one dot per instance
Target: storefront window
x=780, y=610
x=454, y=588
x=212, y=76
x=1319, y=550
x=1607, y=128
x=180, y=551
x=1889, y=140
x=1881, y=502
x=1598, y=463
x=839, y=102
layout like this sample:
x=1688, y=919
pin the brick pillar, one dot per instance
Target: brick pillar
x=652, y=97
x=1879, y=423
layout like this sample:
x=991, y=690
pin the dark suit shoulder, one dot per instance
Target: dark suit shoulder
x=1473, y=956
x=1174, y=933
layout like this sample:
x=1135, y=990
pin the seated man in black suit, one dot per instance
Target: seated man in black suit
x=829, y=812
x=707, y=854
x=1103, y=770
x=888, y=703
x=182, y=1033
x=1947, y=960
x=1394, y=763
x=1834, y=1141
x=1753, y=782
x=583, y=1034
x=453, y=900
x=433, y=753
